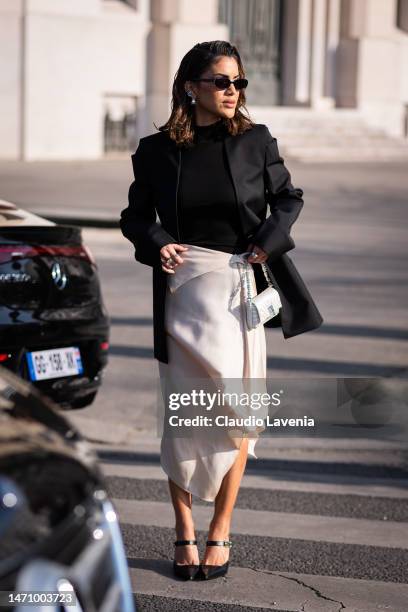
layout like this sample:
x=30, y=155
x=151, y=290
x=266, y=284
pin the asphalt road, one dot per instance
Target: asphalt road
x=315, y=528
x=320, y=523
x=355, y=268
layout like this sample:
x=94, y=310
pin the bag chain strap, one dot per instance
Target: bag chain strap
x=247, y=286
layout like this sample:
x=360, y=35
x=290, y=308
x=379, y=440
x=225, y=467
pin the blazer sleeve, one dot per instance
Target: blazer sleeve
x=285, y=203
x=138, y=221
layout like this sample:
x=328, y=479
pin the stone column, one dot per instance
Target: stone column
x=176, y=26
x=352, y=16
x=333, y=37
x=370, y=63
x=318, y=54
x=289, y=46
x=303, y=51
x=317, y=34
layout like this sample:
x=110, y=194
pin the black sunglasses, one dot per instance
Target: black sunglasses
x=224, y=82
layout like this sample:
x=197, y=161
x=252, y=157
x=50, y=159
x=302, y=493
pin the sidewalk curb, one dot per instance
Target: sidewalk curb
x=102, y=222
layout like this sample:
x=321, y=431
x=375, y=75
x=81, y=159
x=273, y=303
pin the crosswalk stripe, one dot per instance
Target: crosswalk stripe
x=294, y=542
x=339, y=485
x=284, y=554
x=263, y=589
x=275, y=524
x=302, y=502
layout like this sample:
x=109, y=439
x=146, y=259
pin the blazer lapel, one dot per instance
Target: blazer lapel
x=170, y=167
x=236, y=164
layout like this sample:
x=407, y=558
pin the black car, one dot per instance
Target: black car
x=54, y=328
x=59, y=533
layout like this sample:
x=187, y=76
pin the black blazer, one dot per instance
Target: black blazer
x=260, y=178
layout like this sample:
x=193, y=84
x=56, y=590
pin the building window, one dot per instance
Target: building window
x=255, y=28
x=120, y=124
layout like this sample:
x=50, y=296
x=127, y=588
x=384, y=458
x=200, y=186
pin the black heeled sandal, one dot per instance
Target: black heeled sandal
x=185, y=571
x=215, y=571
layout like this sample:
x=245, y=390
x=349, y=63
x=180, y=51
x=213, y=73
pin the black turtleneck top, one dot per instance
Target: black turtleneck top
x=207, y=207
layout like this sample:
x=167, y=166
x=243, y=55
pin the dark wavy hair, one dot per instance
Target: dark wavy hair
x=180, y=125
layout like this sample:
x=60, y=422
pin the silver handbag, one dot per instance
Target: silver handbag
x=262, y=307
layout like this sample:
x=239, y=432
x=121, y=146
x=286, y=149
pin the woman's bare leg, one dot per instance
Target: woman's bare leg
x=223, y=507
x=182, y=504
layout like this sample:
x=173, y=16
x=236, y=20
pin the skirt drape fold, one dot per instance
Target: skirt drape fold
x=207, y=338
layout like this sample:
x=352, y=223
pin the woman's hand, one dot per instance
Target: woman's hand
x=261, y=255
x=169, y=257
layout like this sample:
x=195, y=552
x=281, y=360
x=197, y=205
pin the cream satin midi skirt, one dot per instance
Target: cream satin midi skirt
x=207, y=337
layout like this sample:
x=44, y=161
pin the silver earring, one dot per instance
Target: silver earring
x=190, y=93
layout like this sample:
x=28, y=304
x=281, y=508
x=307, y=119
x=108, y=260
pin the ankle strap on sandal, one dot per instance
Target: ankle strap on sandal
x=184, y=542
x=219, y=543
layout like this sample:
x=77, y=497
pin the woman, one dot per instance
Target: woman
x=209, y=173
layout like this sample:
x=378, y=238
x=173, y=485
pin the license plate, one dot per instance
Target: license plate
x=54, y=363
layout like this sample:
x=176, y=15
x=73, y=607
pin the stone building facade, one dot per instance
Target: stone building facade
x=84, y=77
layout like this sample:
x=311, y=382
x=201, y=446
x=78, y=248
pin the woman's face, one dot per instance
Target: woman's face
x=210, y=101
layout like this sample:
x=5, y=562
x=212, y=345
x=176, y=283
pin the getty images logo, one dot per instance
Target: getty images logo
x=59, y=276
